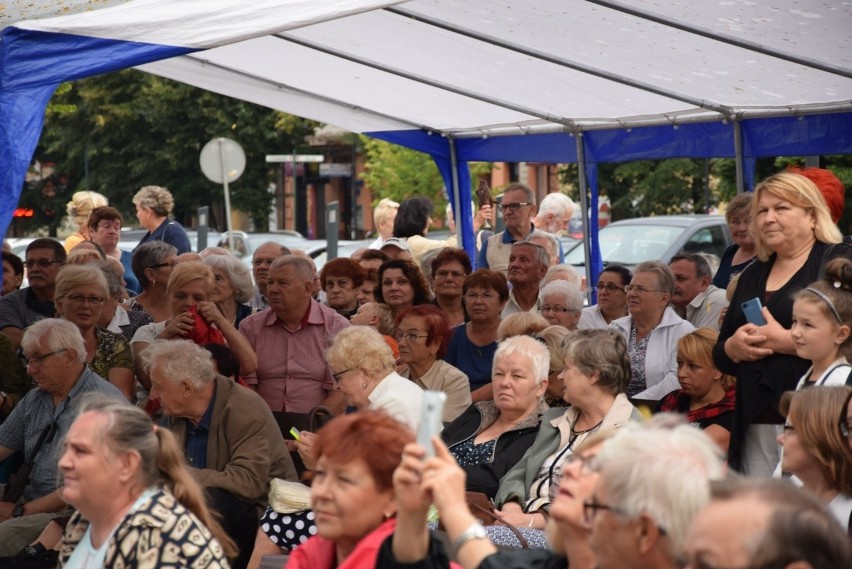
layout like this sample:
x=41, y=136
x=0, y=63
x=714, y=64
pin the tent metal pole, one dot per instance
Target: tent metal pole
x=738, y=155
x=455, y=180
x=584, y=205
x=723, y=38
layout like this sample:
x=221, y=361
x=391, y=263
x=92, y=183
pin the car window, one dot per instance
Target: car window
x=630, y=244
x=707, y=240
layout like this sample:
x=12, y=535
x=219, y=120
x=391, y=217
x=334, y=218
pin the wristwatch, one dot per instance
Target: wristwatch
x=18, y=510
x=475, y=531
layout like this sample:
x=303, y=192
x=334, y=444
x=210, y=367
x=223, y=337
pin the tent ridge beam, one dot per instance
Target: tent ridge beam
x=428, y=81
x=583, y=68
x=324, y=98
x=723, y=38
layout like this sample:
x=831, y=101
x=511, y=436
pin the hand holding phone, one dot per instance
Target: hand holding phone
x=431, y=422
x=753, y=310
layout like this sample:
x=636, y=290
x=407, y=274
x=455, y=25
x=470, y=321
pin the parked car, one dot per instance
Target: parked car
x=246, y=243
x=631, y=241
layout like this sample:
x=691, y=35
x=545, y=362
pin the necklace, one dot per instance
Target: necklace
x=575, y=433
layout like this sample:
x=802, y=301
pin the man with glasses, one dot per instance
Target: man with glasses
x=695, y=298
x=19, y=309
x=653, y=480
x=56, y=360
x=518, y=207
x=260, y=263
x=105, y=230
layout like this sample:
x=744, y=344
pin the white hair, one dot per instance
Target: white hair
x=662, y=471
x=57, y=334
x=527, y=346
x=569, y=292
x=562, y=272
x=556, y=203
x=180, y=360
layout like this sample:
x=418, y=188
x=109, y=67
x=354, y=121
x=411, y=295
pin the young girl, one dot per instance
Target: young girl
x=822, y=318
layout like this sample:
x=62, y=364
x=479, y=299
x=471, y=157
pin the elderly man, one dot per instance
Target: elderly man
x=56, y=360
x=652, y=482
x=765, y=523
x=383, y=217
x=527, y=266
x=231, y=440
x=19, y=309
x=518, y=207
x=260, y=263
x=290, y=339
x=554, y=213
x=695, y=298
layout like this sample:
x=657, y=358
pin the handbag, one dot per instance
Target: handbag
x=482, y=508
x=312, y=421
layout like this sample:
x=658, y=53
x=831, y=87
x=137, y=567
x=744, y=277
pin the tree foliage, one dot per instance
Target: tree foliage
x=131, y=129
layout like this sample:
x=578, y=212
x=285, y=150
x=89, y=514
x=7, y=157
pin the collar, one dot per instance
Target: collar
x=507, y=237
x=701, y=297
x=204, y=423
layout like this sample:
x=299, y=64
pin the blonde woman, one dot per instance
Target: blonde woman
x=79, y=208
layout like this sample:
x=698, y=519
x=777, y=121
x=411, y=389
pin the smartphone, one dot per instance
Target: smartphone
x=752, y=310
x=294, y=432
x=431, y=422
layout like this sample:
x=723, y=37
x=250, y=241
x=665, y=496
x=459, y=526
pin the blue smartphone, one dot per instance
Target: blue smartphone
x=753, y=311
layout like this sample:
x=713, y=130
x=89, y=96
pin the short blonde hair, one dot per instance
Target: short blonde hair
x=156, y=198
x=384, y=315
x=361, y=347
x=553, y=336
x=383, y=210
x=72, y=276
x=697, y=346
x=82, y=204
x=801, y=192
x=185, y=273
x=521, y=324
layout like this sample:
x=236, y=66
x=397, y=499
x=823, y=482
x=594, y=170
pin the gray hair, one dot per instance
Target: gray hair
x=529, y=347
x=303, y=267
x=57, y=334
x=570, y=294
x=529, y=194
x=556, y=203
x=237, y=271
x=603, y=351
x=540, y=252
x=147, y=256
x=661, y=471
x=156, y=198
x=553, y=273
x=180, y=360
x=361, y=347
x=114, y=282
x=664, y=274
x=283, y=248
x=698, y=260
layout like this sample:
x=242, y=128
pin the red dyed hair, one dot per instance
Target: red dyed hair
x=437, y=325
x=372, y=436
x=342, y=267
x=829, y=185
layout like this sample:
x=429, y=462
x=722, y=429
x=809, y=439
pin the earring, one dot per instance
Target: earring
x=364, y=385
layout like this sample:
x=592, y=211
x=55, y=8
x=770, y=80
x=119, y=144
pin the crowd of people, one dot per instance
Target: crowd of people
x=147, y=397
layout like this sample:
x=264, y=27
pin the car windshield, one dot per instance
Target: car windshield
x=630, y=244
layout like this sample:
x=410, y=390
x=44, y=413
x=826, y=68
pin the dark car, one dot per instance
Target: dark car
x=632, y=241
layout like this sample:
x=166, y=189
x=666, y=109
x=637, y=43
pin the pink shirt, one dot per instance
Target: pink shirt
x=292, y=374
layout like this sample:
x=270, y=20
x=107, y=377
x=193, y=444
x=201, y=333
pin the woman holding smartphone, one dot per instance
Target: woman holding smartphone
x=792, y=229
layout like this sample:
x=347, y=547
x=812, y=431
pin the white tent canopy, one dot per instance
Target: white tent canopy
x=469, y=79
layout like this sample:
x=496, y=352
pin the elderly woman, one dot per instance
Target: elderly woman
x=363, y=369
x=596, y=374
x=401, y=285
x=232, y=287
x=706, y=395
x=154, y=206
x=352, y=493
x=449, y=269
x=553, y=337
x=80, y=294
x=79, y=208
x=105, y=230
x=815, y=451
x=792, y=228
x=561, y=303
x=189, y=289
x=422, y=333
x=612, y=298
x=13, y=273
x=136, y=503
x=367, y=292
x=114, y=317
x=490, y=437
x=739, y=255
x=652, y=330
x=152, y=264
x=341, y=279
x=472, y=346
x=521, y=324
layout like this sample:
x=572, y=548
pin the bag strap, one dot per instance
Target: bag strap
x=497, y=518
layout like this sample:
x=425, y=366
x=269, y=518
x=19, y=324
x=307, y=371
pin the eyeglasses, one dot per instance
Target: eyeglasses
x=409, y=337
x=588, y=464
x=845, y=428
x=39, y=360
x=43, y=263
x=484, y=297
x=609, y=287
x=339, y=374
x=513, y=206
x=590, y=510
x=556, y=309
x=640, y=289
x=171, y=264
x=82, y=298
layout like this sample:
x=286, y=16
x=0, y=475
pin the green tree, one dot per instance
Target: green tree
x=133, y=129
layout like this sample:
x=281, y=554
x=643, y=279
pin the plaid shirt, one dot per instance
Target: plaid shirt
x=29, y=418
x=677, y=402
